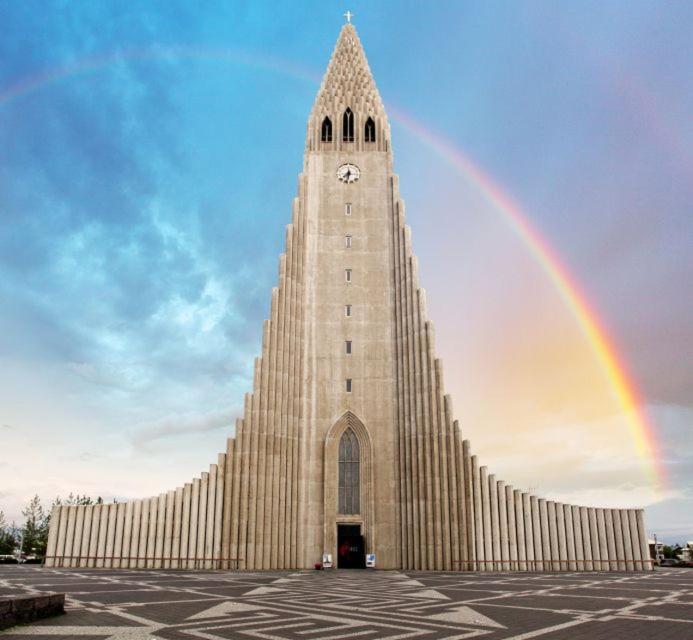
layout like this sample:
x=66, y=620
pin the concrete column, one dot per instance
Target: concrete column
x=103, y=533
x=135, y=536
x=185, y=548
x=126, y=548
x=579, y=548
x=642, y=537
x=545, y=539
x=610, y=539
x=193, y=526
x=452, y=460
x=469, y=505
x=112, y=510
x=144, y=532
x=77, y=542
x=486, y=512
x=512, y=530
x=168, y=529
x=177, y=526
x=601, y=537
x=160, y=531
x=152, y=532
x=202, y=520
x=118, y=538
x=569, y=536
x=627, y=545
x=520, y=532
x=86, y=537
x=586, y=539
x=618, y=538
x=235, y=535
x=52, y=536
x=478, y=517
x=594, y=539
x=503, y=526
x=218, y=511
x=227, y=516
x=463, y=514
x=495, y=525
x=553, y=536
x=634, y=541
x=536, y=534
x=562, y=538
x=529, y=531
x=69, y=536
x=211, y=510
x=95, y=520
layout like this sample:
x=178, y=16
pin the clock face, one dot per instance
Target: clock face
x=348, y=173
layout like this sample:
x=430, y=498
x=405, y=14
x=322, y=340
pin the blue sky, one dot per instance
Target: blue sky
x=149, y=152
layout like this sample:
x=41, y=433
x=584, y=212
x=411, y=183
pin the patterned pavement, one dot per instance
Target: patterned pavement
x=336, y=605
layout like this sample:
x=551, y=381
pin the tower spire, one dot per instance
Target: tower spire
x=348, y=84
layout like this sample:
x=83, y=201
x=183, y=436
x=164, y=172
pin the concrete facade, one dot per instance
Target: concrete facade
x=348, y=349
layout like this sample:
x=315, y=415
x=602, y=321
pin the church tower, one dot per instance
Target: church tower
x=347, y=444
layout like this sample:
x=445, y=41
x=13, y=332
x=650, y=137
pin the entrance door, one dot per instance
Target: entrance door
x=350, y=548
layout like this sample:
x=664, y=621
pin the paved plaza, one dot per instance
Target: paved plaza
x=331, y=605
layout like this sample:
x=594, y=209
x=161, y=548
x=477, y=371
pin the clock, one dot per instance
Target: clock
x=348, y=173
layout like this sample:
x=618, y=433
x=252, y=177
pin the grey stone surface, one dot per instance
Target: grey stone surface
x=21, y=607
x=340, y=605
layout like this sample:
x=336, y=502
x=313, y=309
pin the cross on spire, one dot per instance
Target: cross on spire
x=348, y=15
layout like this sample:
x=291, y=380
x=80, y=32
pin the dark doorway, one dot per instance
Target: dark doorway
x=350, y=548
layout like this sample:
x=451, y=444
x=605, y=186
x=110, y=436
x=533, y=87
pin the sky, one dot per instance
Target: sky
x=149, y=154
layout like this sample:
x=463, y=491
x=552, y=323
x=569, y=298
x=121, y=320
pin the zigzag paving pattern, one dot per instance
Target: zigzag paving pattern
x=336, y=605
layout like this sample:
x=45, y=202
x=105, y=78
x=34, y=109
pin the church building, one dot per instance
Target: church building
x=348, y=445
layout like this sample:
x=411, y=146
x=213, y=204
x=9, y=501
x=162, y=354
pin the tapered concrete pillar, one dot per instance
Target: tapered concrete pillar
x=577, y=536
x=634, y=541
x=520, y=531
x=602, y=540
x=545, y=540
x=594, y=539
x=570, y=536
x=562, y=536
x=126, y=547
x=642, y=537
x=135, y=535
x=52, y=537
x=503, y=526
x=512, y=529
x=610, y=539
x=536, y=534
x=486, y=512
x=553, y=536
x=118, y=538
x=627, y=545
x=103, y=534
x=618, y=538
x=168, y=529
x=529, y=531
x=478, y=517
x=586, y=540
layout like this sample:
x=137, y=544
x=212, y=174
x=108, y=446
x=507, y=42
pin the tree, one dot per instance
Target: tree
x=8, y=537
x=35, y=530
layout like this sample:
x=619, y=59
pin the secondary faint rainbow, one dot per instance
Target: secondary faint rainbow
x=605, y=351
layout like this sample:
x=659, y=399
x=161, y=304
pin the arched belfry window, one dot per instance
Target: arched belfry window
x=326, y=133
x=349, y=481
x=348, y=126
x=369, y=133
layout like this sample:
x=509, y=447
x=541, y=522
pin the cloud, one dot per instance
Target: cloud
x=178, y=425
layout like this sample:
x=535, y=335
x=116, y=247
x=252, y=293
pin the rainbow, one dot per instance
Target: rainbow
x=604, y=348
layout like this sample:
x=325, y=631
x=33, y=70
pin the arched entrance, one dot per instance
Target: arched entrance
x=348, y=492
